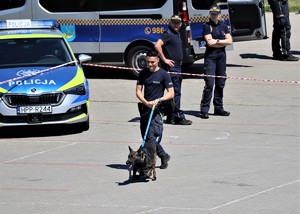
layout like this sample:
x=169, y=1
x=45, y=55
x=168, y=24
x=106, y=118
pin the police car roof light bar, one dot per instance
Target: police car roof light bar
x=27, y=24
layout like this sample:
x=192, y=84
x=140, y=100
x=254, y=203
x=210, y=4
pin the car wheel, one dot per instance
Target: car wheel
x=137, y=59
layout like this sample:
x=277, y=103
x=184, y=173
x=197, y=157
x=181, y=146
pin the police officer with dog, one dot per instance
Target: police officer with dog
x=169, y=48
x=281, y=31
x=154, y=81
x=217, y=37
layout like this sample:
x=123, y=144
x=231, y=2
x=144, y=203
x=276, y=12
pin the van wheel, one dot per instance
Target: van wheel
x=137, y=59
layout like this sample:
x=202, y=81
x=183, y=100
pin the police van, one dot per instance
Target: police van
x=123, y=31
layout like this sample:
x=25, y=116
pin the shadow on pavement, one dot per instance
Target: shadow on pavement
x=118, y=166
x=38, y=131
x=107, y=73
x=129, y=180
x=193, y=112
x=254, y=56
x=258, y=56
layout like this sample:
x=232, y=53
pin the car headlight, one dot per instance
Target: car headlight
x=78, y=90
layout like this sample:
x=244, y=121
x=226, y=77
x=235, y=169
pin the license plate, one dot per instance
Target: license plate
x=202, y=44
x=34, y=109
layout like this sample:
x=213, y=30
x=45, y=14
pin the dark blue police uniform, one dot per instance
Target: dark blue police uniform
x=281, y=31
x=173, y=50
x=154, y=84
x=215, y=64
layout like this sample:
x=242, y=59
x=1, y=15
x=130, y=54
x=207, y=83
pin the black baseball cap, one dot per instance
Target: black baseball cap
x=214, y=9
x=152, y=53
x=176, y=18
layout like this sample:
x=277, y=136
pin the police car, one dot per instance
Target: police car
x=41, y=82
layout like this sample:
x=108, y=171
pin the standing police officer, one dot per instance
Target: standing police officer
x=217, y=37
x=281, y=31
x=169, y=48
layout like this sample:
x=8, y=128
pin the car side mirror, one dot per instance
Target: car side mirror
x=84, y=58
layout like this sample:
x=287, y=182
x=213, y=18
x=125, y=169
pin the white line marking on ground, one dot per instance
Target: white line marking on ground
x=151, y=209
x=38, y=153
x=253, y=195
x=158, y=208
x=175, y=137
x=227, y=134
x=64, y=204
x=172, y=208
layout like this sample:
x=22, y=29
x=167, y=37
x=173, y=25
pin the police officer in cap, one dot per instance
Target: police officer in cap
x=169, y=48
x=217, y=37
x=281, y=31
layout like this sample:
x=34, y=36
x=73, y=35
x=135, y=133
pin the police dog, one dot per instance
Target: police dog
x=142, y=161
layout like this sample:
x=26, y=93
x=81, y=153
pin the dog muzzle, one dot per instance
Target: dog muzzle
x=130, y=165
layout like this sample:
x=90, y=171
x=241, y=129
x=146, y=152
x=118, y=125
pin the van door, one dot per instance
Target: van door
x=198, y=12
x=78, y=20
x=129, y=29
x=247, y=20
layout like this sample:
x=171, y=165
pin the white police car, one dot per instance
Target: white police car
x=41, y=81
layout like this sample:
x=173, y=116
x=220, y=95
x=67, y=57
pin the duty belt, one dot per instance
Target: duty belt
x=209, y=50
x=178, y=63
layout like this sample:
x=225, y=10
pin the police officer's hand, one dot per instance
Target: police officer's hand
x=153, y=102
x=169, y=62
x=212, y=42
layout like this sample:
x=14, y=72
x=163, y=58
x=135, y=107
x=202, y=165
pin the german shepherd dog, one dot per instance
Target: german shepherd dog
x=142, y=161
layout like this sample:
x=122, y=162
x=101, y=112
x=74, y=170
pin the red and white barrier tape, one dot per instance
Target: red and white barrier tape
x=108, y=66
x=36, y=73
x=201, y=75
x=126, y=68
x=239, y=78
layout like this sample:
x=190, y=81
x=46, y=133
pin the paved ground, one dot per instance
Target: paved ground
x=247, y=163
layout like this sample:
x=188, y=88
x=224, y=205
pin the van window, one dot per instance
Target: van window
x=70, y=5
x=10, y=4
x=99, y=5
x=205, y=4
x=109, y=5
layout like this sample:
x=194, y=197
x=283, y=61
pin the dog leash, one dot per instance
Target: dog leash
x=148, y=125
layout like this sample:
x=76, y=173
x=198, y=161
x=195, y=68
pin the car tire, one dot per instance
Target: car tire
x=137, y=59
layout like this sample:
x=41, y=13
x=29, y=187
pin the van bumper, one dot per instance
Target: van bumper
x=188, y=58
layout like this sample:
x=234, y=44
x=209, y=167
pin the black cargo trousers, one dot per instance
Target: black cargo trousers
x=281, y=27
x=155, y=131
x=214, y=65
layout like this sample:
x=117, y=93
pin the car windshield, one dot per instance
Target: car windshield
x=33, y=52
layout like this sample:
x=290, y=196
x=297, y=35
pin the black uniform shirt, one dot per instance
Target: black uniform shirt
x=217, y=31
x=172, y=45
x=154, y=83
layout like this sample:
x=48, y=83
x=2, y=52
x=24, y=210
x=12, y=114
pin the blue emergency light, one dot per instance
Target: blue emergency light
x=27, y=24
